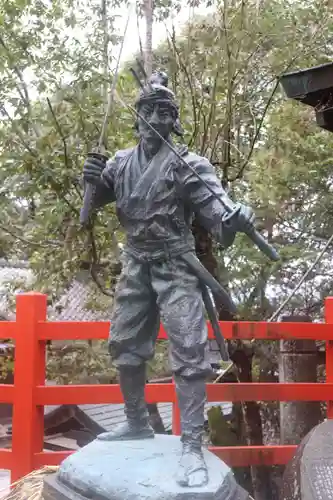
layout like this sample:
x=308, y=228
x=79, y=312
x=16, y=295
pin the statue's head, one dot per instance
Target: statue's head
x=157, y=105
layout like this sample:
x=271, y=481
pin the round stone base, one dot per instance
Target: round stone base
x=143, y=469
x=309, y=474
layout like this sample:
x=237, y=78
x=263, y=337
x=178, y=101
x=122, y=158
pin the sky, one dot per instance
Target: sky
x=131, y=43
x=133, y=35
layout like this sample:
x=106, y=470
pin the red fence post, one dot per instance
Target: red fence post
x=329, y=352
x=29, y=371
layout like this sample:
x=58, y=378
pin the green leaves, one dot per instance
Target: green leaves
x=271, y=153
x=44, y=142
x=223, y=68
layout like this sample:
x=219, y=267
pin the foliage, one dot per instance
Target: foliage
x=79, y=363
x=295, y=187
x=55, y=70
x=45, y=139
x=225, y=70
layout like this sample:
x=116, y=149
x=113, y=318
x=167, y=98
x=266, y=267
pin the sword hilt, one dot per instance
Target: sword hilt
x=89, y=192
x=232, y=211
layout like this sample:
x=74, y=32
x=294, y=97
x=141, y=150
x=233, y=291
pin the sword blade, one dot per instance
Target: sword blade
x=89, y=188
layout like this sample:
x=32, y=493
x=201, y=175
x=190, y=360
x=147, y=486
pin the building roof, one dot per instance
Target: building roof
x=104, y=417
x=69, y=427
x=15, y=276
x=74, y=305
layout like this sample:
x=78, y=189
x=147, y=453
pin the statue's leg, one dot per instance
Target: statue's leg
x=134, y=329
x=191, y=395
x=182, y=314
x=132, y=384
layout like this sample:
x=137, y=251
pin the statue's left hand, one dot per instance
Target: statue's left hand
x=241, y=220
x=92, y=169
x=245, y=219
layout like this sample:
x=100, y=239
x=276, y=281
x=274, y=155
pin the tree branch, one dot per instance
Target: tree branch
x=189, y=81
x=239, y=175
x=60, y=132
x=27, y=242
x=25, y=95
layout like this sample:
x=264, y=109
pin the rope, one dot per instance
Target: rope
x=301, y=281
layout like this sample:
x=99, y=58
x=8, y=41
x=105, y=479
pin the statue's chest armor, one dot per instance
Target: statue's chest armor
x=145, y=192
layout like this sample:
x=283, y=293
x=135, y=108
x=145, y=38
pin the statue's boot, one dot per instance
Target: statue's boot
x=132, y=384
x=191, y=399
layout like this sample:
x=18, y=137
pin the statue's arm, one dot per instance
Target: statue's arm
x=208, y=211
x=104, y=193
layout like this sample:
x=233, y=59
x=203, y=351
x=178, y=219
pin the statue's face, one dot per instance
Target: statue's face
x=160, y=116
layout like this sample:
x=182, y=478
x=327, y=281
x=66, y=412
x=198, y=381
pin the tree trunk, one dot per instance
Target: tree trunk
x=269, y=410
x=155, y=418
x=104, y=22
x=254, y=435
x=149, y=11
x=298, y=363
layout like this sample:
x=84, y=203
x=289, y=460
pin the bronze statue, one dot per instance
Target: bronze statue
x=161, y=281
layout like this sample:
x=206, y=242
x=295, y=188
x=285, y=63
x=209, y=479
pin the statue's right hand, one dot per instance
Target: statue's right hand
x=92, y=170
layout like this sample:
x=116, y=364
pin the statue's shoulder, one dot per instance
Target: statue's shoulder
x=194, y=159
x=123, y=153
x=113, y=163
x=185, y=153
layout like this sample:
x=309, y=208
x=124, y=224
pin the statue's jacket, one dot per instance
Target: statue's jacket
x=161, y=278
x=156, y=201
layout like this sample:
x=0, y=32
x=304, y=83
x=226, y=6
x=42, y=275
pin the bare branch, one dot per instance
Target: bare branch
x=60, y=132
x=26, y=241
x=25, y=95
x=240, y=173
x=211, y=113
x=189, y=81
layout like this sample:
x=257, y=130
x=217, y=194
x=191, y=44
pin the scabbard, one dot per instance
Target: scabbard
x=220, y=294
x=87, y=203
x=211, y=311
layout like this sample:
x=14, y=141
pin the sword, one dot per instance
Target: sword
x=207, y=281
x=90, y=189
x=205, y=278
x=211, y=311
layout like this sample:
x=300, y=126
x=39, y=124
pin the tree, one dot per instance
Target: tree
x=45, y=139
x=223, y=68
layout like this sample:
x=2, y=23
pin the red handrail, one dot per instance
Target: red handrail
x=29, y=393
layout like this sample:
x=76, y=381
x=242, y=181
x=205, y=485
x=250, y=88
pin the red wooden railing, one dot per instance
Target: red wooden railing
x=29, y=393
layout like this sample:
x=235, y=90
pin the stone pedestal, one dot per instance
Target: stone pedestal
x=132, y=470
x=309, y=475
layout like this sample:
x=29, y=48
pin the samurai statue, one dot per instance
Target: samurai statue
x=162, y=280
